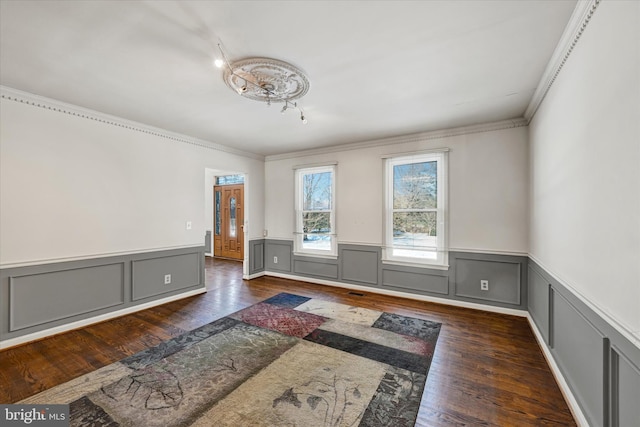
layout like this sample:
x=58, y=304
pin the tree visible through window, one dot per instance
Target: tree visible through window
x=415, y=224
x=315, y=219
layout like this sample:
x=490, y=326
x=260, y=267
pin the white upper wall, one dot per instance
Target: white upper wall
x=585, y=168
x=488, y=198
x=73, y=187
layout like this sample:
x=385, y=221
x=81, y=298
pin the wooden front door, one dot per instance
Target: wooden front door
x=228, y=239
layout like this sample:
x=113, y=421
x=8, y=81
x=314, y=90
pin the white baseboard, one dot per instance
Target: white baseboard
x=90, y=321
x=445, y=301
x=578, y=415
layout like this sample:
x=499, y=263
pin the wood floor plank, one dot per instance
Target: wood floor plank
x=487, y=370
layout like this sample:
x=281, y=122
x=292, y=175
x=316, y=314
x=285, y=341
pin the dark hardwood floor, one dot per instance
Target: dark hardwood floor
x=487, y=369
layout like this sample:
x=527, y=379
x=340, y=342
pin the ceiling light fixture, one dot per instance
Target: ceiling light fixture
x=265, y=80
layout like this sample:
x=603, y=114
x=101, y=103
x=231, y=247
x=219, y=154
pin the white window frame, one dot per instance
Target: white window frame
x=299, y=212
x=395, y=255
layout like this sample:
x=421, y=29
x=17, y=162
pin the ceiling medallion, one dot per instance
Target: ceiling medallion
x=267, y=80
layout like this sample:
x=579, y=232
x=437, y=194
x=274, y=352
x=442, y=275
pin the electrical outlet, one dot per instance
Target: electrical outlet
x=167, y=279
x=484, y=285
x=188, y=225
x=265, y=233
x=275, y=259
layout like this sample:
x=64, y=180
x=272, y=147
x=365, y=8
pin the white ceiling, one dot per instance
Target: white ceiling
x=377, y=69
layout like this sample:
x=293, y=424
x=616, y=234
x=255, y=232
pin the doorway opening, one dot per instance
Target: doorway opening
x=228, y=217
x=226, y=213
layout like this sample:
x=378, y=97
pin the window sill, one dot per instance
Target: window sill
x=315, y=255
x=444, y=267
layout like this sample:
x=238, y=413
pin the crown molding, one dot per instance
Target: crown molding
x=578, y=22
x=16, y=95
x=416, y=137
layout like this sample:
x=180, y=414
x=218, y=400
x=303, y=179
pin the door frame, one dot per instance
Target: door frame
x=210, y=179
x=224, y=238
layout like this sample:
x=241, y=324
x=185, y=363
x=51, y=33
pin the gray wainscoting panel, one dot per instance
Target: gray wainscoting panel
x=207, y=243
x=579, y=350
x=278, y=255
x=359, y=264
x=538, y=300
x=256, y=256
x=415, y=279
x=148, y=275
x=599, y=363
x=503, y=277
x=40, y=297
x=36, y=299
x=625, y=393
x=362, y=265
x=326, y=269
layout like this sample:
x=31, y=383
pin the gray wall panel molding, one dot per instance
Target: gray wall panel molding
x=256, y=256
x=579, y=352
x=601, y=324
x=362, y=265
x=359, y=264
x=538, y=301
x=624, y=390
x=507, y=276
x=207, y=242
x=503, y=278
x=316, y=269
x=37, y=299
x=415, y=280
x=552, y=328
x=148, y=275
x=600, y=365
x=278, y=255
x=41, y=297
x=606, y=381
x=325, y=268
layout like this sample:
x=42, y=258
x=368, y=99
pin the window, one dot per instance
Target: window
x=315, y=211
x=415, y=209
x=229, y=179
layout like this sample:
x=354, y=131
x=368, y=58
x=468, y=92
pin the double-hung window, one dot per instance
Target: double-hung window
x=416, y=209
x=315, y=211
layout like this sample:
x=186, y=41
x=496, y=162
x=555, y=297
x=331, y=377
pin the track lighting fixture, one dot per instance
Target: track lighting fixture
x=266, y=80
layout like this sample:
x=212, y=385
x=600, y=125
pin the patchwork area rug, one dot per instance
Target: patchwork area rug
x=287, y=361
